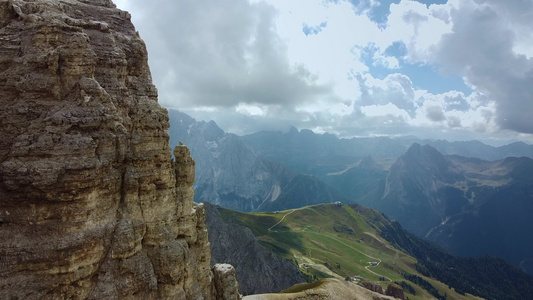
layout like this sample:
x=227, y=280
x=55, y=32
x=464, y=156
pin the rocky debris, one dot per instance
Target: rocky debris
x=92, y=206
x=374, y=287
x=392, y=290
x=225, y=282
x=395, y=291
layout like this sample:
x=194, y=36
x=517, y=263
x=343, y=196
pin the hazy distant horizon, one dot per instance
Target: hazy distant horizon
x=490, y=142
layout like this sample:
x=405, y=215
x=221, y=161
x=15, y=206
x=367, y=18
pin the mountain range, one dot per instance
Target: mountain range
x=359, y=244
x=230, y=173
x=446, y=192
x=319, y=154
x=467, y=205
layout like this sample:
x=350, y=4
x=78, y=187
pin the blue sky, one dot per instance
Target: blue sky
x=457, y=69
x=424, y=76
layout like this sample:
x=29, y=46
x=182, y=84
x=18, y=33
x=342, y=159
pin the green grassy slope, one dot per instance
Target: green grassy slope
x=332, y=240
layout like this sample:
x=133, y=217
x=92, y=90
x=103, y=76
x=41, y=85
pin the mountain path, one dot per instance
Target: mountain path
x=339, y=241
x=367, y=255
x=282, y=218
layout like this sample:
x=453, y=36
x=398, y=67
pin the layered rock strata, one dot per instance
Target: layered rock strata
x=92, y=205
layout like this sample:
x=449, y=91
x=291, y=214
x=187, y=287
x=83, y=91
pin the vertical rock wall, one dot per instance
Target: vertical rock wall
x=91, y=203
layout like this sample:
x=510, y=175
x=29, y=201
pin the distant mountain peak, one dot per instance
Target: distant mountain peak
x=307, y=132
x=293, y=130
x=425, y=155
x=212, y=132
x=417, y=149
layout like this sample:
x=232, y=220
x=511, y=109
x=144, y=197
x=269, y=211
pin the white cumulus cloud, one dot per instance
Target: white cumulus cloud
x=328, y=65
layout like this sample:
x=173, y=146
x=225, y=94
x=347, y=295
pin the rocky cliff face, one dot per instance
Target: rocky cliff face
x=91, y=203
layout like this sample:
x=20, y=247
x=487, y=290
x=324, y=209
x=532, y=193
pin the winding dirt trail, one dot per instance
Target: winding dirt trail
x=367, y=255
x=339, y=241
x=282, y=218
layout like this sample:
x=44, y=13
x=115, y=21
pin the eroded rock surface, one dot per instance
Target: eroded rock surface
x=395, y=291
x=226, y=282
x=92, y=205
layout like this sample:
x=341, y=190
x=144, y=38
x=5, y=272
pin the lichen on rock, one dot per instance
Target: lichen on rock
x=92, y=205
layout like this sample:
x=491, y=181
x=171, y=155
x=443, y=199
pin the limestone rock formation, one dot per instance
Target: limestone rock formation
x=92, y=205
x=226, y=282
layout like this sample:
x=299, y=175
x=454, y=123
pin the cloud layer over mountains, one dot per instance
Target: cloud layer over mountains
x=458, y=70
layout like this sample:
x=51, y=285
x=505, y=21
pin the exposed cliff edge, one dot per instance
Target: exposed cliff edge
x=92, y=205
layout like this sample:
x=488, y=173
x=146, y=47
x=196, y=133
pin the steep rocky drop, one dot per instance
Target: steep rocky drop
x=92, y=205
x=258, y=269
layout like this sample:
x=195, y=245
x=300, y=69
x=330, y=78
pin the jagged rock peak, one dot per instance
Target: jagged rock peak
x=424, y=154
x=212, y=132
x=429, y=161
x=92, y=205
